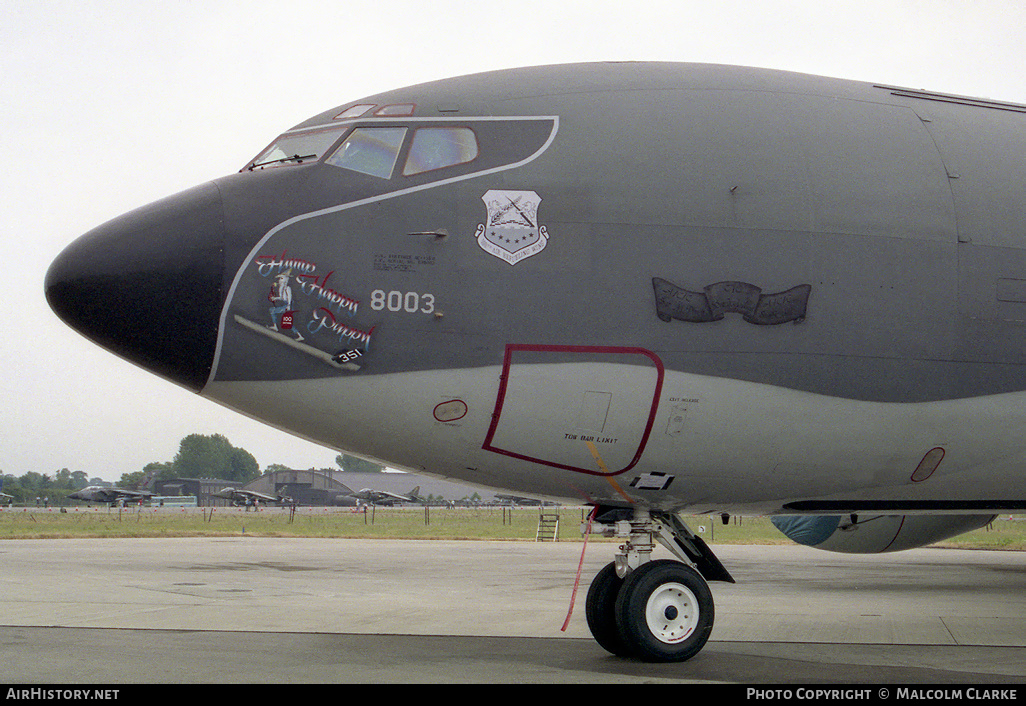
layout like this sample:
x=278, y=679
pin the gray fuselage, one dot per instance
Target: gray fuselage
x=671, y=285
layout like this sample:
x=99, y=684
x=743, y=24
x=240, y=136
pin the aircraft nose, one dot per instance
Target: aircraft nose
x=147, y=285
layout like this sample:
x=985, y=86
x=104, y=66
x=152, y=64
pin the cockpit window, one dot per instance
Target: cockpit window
x=370, y=150
x=296, y=148
x=354, y=112
x=397, y=109
x=438, y=147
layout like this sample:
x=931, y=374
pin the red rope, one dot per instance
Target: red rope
x=577, y=581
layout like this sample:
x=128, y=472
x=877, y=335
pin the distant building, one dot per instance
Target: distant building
x=312, y=487
x=321, y=487
x=202, y=488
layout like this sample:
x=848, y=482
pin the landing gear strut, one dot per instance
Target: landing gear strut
x=658, y=611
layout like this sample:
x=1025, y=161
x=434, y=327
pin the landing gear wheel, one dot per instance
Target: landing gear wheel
x=664, y=611
x=600, y=610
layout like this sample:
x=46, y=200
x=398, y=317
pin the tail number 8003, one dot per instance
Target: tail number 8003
x=410, y=302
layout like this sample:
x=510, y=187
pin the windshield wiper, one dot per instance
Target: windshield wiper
x=293, y=158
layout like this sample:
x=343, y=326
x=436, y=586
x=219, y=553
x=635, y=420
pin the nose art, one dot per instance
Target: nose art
x=147, y=285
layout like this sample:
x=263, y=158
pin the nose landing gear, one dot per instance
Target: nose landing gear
x=658, y=611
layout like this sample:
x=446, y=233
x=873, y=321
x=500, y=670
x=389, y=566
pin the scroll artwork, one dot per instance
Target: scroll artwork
x=715, y=300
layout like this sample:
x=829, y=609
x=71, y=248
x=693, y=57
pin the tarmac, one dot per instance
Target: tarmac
x=250, y=610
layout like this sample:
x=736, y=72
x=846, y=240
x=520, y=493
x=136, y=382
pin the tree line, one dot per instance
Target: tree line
x=199, y=456
x=56, y=486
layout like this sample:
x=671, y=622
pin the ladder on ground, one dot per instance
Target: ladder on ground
x=548, y=527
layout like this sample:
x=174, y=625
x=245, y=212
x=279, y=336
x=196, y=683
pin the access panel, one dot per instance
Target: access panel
x=580, y=408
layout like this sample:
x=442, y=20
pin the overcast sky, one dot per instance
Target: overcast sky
x=107, y=106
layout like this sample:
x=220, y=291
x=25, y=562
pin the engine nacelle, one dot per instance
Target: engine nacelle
x=856, y=534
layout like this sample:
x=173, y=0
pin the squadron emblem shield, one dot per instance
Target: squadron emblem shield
x=511, y=231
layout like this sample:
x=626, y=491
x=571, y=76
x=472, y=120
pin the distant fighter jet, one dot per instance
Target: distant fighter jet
x=517, y=500
x=99, y=494
x=237, y=496
x=368, y=496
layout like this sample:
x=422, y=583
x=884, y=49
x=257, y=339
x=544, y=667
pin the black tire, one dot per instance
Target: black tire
x=600, y=611
x=664, y=611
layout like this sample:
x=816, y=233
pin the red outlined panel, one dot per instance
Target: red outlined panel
x=587, y=409
x=928, y=465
